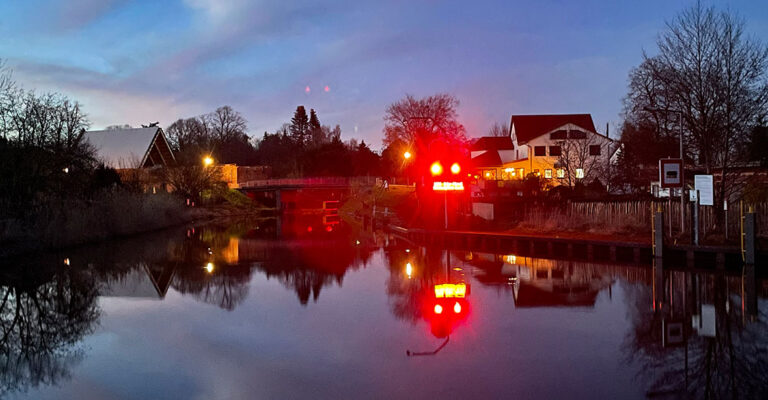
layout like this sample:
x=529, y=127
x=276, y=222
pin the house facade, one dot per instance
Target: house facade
x=562, y=149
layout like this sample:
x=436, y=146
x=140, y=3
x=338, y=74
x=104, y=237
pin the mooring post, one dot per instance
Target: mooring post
x=748, y=234
x=658, y=234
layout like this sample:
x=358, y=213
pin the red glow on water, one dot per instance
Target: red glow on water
x=309, y=229
x=329, y=228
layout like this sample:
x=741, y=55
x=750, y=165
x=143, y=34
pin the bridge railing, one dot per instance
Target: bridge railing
x=319, y=181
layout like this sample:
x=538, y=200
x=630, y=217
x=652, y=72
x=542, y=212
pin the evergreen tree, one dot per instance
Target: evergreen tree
x=300, y=126
x=317, y=136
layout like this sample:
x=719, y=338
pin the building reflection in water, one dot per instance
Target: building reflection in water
x=693, y=334
x=697, y=333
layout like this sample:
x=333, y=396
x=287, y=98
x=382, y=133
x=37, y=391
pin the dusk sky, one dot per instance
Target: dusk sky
x=136, y=62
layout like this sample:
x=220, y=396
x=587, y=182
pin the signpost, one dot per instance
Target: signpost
x=671, y=176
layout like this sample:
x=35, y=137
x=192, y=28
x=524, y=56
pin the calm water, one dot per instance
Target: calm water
x=299, y=310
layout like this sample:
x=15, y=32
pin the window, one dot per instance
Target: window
x=508, y=174
x=536, y=172
x=561, y=172
x=579, y=173
x=489, y=174
x=558, y=135
x=521, y=173
x=555, y=151
x=548, y=173
x=539, y=151
x=594, y=150
x=577, y=135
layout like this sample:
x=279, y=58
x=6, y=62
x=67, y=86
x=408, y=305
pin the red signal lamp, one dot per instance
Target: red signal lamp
x=455, y=168
x=436, y=168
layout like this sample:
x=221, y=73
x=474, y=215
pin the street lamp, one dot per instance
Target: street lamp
x=207, y=161
x=407, y=155
x=682, y=161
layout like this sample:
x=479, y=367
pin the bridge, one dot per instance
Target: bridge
x=295, y=183
x=301, y=193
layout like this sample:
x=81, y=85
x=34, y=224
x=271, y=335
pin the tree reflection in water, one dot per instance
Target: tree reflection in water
x=695, y=338
x=45, y=311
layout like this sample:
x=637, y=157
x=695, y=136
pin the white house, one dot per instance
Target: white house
x=560, y=148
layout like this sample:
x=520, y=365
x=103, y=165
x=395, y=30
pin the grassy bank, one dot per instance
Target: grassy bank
x=61, y=223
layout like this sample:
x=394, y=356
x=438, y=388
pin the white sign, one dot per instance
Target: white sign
x=703, y=183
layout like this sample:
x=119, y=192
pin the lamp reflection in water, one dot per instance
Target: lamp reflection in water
x=409, y=270
x=209, y=267
x=444, y=309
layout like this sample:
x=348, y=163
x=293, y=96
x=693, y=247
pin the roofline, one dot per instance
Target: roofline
x=167, y=144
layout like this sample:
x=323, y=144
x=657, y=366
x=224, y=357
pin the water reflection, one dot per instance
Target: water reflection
x=685, y=333
x=693, y=334
x=43, y=316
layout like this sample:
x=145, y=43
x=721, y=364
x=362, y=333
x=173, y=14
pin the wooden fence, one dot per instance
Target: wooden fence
x=618, y=212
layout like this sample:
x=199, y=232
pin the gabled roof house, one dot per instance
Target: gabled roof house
x=132, y=148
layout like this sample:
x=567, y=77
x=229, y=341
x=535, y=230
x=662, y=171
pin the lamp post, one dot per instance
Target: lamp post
x=682, y=161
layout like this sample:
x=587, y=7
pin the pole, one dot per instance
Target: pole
x=445, y=208
x=682, y=177
x=670, y=213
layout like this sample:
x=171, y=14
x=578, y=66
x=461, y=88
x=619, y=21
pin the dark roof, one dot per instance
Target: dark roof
x=488, y=159
x=493, y=143
x=528, y=127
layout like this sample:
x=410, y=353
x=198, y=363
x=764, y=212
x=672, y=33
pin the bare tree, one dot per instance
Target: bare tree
x=584, y=159
x=499, y=130
x=707, y=69
x=420, y=121
x=226, y=124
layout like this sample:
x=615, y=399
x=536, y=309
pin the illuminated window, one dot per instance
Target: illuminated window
x=489, y=174
x=561, y=173
x=540, y=151
x=579, y=173
x=548, y=173
x=521, y=173
x=555, y=151
x=536, y=172
x=594, y=150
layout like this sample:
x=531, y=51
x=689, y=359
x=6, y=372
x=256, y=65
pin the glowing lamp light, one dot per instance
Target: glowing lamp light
x=438, y=309
x=309, y=229
x=66, y=261
x=409, y=269
x=407, y=155
x=207, y=161
x=449, y=290
x=457, y=308
x=329, y=228
x=448, y=186
x=209, y=267
x=436, y=168
x=455, y=168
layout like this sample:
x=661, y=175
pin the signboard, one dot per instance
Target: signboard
x=703, y=183
x=671, y=172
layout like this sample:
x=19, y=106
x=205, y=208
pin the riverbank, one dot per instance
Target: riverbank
x=113, y=215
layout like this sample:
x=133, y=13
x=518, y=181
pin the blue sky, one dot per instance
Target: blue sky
x=141, y=61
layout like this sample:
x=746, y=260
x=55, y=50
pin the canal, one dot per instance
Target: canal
x=306, y=308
